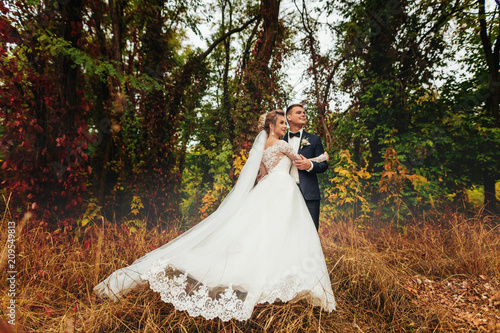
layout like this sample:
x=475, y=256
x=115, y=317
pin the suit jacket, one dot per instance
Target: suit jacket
x=308, y=180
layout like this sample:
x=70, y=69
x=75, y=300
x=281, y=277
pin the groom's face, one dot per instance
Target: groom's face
x=296, y=116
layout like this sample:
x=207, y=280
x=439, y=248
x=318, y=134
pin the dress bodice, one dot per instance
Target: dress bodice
x=278, y=157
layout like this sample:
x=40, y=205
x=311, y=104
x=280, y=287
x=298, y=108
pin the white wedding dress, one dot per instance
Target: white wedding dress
x=259, y=246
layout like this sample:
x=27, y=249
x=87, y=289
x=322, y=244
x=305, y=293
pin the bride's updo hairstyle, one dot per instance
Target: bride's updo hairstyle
x=269, y=118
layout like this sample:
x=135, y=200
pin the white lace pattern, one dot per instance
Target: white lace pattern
x=226, y=302
x=275, y=153
x=187, y=294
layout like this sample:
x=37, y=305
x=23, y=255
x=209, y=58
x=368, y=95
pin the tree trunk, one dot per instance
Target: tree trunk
x=256, y=81
x=226, y=101
x=112, y=110
x=71, y=12
x=492, y=103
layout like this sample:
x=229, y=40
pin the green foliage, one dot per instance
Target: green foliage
x=219, y=162
x=398, y=198
x=346, y=197
x=116, y=109
x=444, y=138
x=476, y=196
x=136, y=205
x=134, y=225
x=192, y=188
x=466, y=142
x=380, y=44
x=103, y=69
x=92, y=214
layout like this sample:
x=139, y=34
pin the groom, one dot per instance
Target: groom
x=304, y=171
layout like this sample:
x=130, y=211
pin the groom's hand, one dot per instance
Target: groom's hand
x=303, y=163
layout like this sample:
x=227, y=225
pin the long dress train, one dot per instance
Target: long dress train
x=261, y=247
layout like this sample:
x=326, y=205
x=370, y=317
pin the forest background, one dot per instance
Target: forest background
x=107, y=108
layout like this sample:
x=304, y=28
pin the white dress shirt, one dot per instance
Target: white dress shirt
x=295, y=143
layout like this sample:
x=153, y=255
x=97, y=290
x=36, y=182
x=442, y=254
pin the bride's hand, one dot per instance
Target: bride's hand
x=327, y=156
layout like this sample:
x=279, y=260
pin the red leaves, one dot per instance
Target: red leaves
x=26, y=144
x=86, y=106
x=17, y=78
x=61, y=142
x=246, y=145
x=30, y=107
x=394, y=175
x=76, y=28
x=38, y=128
x=258, y=43
x=48, y=101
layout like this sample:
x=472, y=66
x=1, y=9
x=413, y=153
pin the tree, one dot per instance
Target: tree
x=257, y=87
x=391, y=49
x=321, y=70
x=471, y=119
x=43, y=106
x=492, y=102
x=121, y=101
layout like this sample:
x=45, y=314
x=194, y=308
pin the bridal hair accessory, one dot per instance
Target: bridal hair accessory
x=264, y=120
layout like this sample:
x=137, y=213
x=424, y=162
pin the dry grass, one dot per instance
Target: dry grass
x=374, y=265
x=369, y=270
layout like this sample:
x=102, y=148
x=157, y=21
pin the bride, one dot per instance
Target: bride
x=259, y=246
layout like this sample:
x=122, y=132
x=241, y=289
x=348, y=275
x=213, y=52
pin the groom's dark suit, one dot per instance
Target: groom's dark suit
x=308, y=179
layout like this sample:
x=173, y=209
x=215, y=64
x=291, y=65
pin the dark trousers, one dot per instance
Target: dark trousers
x=313, y=206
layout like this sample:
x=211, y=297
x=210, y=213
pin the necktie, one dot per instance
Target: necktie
x=295, y=134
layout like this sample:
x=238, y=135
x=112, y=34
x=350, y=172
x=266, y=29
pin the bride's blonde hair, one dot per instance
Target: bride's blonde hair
x=269, y=118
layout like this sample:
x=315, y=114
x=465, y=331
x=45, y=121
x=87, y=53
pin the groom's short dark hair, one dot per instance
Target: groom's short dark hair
x=292, y=106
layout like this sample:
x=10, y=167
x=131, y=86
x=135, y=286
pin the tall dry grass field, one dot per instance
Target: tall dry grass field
x=437, y=275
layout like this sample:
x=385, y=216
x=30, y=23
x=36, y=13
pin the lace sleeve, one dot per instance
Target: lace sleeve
x=287, y=149
x=320, y=158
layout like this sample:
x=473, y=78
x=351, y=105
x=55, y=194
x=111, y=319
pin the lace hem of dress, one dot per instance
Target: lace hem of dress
x=226, y=302
x=187, y=294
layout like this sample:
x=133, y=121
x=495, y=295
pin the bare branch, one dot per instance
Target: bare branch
x=441, y=20
x=330, y=79
x=226, y=35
